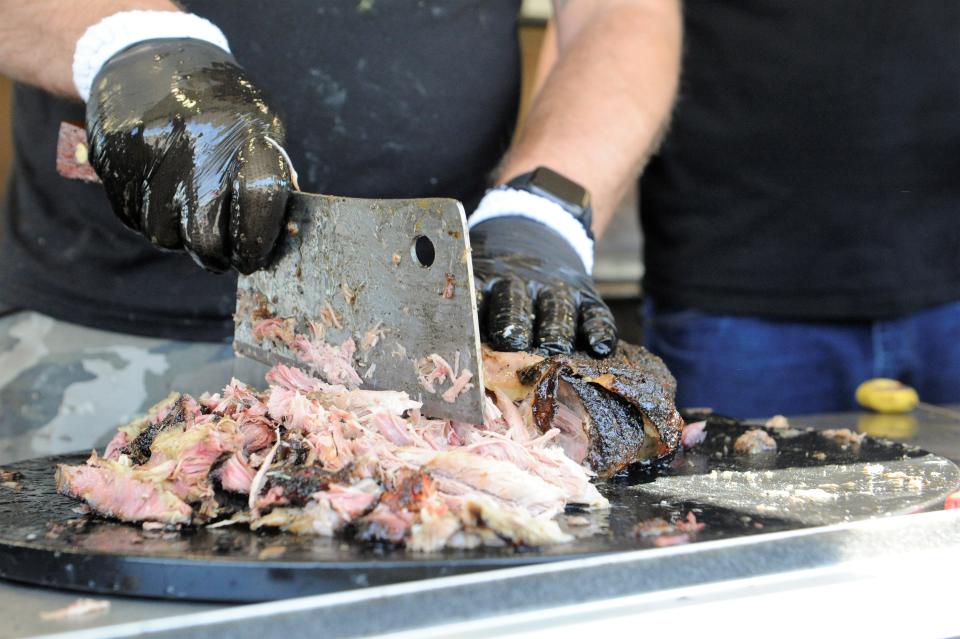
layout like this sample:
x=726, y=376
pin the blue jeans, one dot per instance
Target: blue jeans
x=750, y=367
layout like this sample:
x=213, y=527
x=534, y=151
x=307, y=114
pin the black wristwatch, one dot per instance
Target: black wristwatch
x=573, y=198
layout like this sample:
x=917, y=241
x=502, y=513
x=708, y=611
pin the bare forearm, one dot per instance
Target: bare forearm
x=607, y=100
x=38, y=37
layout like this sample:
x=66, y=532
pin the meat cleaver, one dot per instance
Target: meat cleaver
x=394, y=276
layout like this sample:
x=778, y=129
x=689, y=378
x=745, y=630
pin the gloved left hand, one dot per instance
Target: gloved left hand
x=535, y=292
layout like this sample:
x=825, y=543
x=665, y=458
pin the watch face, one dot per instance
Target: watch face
x=560, y=187
x=552, y=186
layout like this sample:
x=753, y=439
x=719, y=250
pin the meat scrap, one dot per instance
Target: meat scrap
x=275, y=330
x=80, y=608
x=10, y=478
x=460, y=385
x=434, y=369
x=449, y=286
x=952, y=501
x=664, y=533
x=371, y=338
x=311, y=454
x=333, y=363
x=754, y=442
x=122, y=492
x=694, y=434
x=777, y=421
x=843, y=437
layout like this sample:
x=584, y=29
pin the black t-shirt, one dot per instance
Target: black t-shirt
x=385, y=99
x=812, y=168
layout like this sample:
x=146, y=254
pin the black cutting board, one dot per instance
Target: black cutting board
x=810, y=481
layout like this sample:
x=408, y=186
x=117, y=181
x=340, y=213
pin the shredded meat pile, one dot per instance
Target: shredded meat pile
x=318, y=455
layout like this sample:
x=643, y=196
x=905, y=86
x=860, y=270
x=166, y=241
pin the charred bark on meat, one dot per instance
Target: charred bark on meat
x=392, y=515
x=296, y=451
x=409, y=491
x=625, y=405
x=640, y=359
x=139, y=449
x=227, y=502
x=301, y=482
x=615, y=428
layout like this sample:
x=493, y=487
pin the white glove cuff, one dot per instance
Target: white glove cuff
x=103, y=40
x=515, y=203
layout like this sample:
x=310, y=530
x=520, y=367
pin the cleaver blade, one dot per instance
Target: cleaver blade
x=393, y=275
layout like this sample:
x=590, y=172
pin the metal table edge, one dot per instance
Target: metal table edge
x=500, y=591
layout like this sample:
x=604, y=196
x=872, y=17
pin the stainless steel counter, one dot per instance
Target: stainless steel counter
x=887, y=576
x=779, y=569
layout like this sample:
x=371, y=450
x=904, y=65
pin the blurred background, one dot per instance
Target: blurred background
x=6, y=142
x=618, y=268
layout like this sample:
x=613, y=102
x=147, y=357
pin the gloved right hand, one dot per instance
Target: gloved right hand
x=189, y=153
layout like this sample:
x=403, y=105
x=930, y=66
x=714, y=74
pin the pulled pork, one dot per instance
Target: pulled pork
x=313, y=455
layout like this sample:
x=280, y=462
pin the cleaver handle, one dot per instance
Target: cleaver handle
x=73, y=154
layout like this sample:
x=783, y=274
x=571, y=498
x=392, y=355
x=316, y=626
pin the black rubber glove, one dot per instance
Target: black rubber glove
x=534, y=292
x=181, y=139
